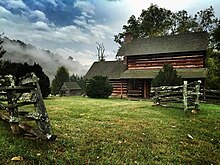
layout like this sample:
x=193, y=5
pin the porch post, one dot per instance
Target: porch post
x=145, y=89
x=121, y=89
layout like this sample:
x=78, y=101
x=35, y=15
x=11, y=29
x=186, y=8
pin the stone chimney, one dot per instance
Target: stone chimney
x=128, y=37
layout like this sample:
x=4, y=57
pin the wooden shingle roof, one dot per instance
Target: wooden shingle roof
x=70, y=86
x=150, y=74
x=187, y=42
x=111, y=69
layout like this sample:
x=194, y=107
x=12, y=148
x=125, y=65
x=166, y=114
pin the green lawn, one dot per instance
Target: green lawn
x=115, y=131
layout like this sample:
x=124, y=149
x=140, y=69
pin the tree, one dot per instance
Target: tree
x=157, y=21
x=99, y=87
x=2, y=51
x=182, y=22
x=101, y=52
x=44, y=80
x=80, y=81
x=216, y=38
x=19, y=70
x=213, y=63
x=167, y=77
x=154, y=21
x=61, y=76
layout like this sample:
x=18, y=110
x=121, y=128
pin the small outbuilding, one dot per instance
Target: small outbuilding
x=70, y=89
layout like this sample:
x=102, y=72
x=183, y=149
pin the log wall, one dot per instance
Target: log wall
x=119, y=88
x=180, y=61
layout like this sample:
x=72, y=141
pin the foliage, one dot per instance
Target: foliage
x=44, y=80
x=213, y=63
x=156, y=21
x=167, y=77
x=80, y=81
x=2, y=51
x=152, y=22
x=19, y=70
x=99, y=87
x=216, y=37
x=61, y=76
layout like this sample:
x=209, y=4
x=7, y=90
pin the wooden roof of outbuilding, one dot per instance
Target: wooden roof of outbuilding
x=70, y=86
x=187, y=42
x=111, y=69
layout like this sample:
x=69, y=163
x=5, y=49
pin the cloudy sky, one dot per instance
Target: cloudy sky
x=72, y=27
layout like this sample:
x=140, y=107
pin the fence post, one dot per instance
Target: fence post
x=185, y=95
x=157, y=95
x=197, y=94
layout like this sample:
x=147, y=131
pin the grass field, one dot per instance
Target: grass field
x=115, y=131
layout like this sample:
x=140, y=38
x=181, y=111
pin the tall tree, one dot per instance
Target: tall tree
x=61, y=76
x=216, y=38
x=2, y=51
x=156, y=21
x=80, y=81
x=213, y=63
x=182, y=22
x=206, y=20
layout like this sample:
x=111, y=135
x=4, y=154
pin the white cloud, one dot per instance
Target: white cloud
x=73, y=34
x=84, y=57
x=4, y=13
x=39, y=25
x=79, y=39
x=101, y=31
x=85, y=14
x=39, y=14
x=15, y=4
x=85, y=6
x=80, y=21
x=91, y=21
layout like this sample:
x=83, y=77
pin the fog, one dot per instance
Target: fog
x=20, y=52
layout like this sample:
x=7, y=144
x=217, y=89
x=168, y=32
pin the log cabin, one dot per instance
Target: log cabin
x=70, y=89
x=143, y=58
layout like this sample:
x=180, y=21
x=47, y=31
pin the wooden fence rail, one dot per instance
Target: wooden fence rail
x=209, y=95
x=188, y=94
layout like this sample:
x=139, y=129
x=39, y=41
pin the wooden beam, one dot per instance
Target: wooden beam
x=145, y=89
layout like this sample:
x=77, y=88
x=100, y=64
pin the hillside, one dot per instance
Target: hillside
x=18, y=51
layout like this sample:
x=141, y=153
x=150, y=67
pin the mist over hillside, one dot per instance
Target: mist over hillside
x=20, y=52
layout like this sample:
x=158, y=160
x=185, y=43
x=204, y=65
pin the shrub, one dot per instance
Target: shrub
x=99, y=87
x=167, y=77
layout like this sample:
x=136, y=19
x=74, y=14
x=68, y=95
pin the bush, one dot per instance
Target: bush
x=167, y=77
x=99, y=87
